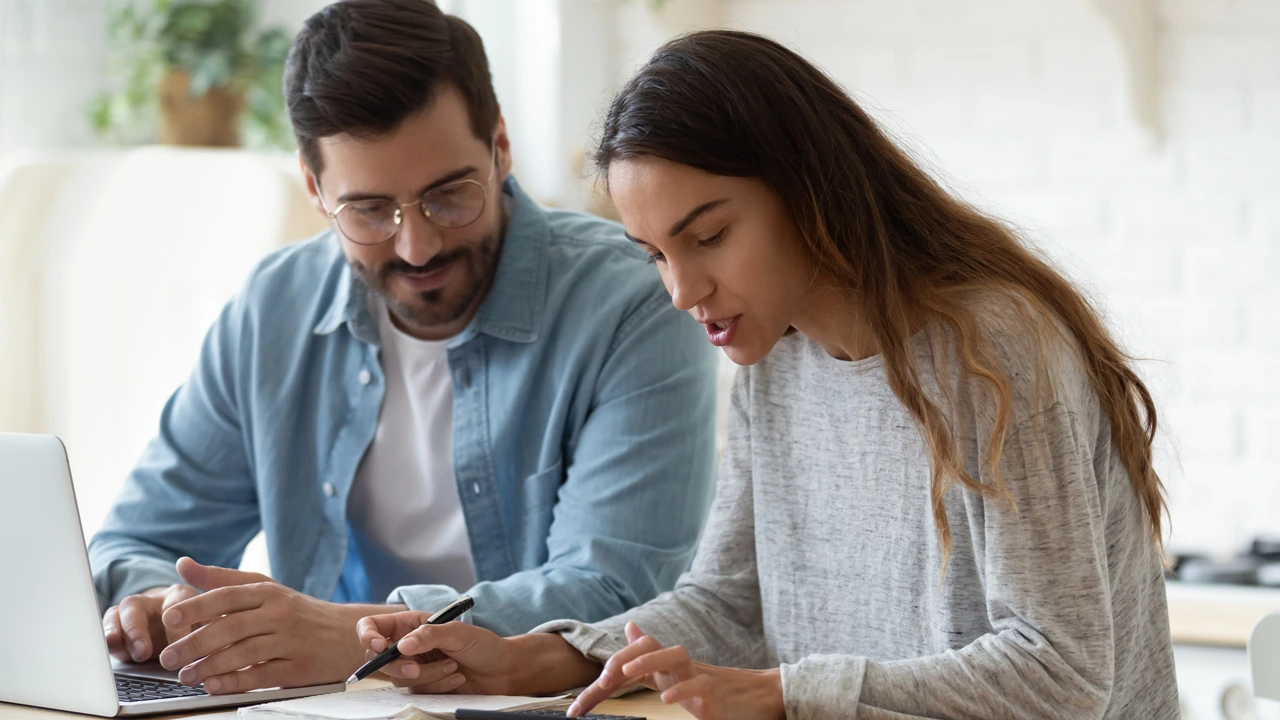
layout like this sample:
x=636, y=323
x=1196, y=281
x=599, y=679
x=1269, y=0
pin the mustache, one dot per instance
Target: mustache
x=432, y=265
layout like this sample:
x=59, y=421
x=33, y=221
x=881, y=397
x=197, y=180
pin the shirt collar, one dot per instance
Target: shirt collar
x=513, y=308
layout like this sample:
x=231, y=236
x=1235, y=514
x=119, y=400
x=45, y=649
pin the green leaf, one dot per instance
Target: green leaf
x=213, y=40
x=212, y=70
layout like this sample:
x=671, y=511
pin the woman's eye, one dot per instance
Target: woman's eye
x=713, y=240
x=655, y=258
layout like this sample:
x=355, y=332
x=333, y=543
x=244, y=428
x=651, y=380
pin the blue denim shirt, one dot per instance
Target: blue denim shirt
x=583, y=432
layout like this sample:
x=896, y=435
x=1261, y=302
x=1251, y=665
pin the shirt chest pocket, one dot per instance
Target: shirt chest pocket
x=538, y=495
x=539, y=489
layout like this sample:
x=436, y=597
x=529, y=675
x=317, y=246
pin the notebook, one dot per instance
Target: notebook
x=392, y=703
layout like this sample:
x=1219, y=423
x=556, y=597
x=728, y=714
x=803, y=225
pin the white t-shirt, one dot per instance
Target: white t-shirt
x=404, y=499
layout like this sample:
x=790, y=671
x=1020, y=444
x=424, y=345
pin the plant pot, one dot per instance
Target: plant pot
x=212, y=120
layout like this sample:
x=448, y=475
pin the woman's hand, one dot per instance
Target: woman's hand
x=459, y=658
x=707, y=691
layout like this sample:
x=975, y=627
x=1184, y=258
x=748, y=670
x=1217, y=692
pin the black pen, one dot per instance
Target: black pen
x=450, y=612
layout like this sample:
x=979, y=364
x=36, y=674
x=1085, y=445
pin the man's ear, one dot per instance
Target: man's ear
x=312, y=183
x=502, y=148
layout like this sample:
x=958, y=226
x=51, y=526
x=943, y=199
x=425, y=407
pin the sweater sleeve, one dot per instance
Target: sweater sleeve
x=1049, y=649
x=714, y=609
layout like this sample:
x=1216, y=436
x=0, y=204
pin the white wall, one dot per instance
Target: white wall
x=1022, y=104
x=52, y=61
x=51, y=54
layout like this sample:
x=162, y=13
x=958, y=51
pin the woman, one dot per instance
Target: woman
x=938, y=498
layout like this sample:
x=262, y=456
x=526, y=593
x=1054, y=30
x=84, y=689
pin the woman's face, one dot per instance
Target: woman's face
x=725, y=247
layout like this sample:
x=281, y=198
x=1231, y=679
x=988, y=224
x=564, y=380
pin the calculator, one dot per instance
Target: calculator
x=465, y=714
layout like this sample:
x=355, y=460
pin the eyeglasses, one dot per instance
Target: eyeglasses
x=449, y=206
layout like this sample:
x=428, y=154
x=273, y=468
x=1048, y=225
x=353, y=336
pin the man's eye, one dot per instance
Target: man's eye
x=655, y=258
x=369, y=209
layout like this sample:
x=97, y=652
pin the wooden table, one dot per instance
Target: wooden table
x=1217, y=614
x=643, y=704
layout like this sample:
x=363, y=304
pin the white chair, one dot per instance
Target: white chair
x=112, y=267
x=1264, y=657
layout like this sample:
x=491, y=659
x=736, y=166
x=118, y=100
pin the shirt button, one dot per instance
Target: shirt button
x=475, y=487
x=365, y=377
x=329, y=490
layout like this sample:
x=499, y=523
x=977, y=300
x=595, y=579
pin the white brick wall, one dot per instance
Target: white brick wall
x=1021, y=104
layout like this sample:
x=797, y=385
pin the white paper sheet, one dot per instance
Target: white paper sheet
x=382, y=703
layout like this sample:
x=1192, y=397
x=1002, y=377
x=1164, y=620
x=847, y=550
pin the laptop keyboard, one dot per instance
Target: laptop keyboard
x=140, y=689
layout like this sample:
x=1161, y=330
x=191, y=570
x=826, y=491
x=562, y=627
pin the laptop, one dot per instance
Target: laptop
x=53, y=653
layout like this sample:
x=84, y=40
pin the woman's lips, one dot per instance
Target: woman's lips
x=721, y=333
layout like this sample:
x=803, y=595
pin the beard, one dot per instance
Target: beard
x=473, y=268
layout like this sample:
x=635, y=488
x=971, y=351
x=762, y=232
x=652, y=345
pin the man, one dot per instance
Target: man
x=454, y=390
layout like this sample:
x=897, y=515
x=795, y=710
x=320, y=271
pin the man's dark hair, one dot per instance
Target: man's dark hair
x=362, y=66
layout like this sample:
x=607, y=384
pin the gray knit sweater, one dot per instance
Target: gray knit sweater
x=821, y=554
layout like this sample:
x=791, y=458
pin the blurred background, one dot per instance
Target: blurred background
x=1136, y=141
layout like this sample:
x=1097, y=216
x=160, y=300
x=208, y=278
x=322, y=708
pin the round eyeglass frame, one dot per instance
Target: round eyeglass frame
x=421, y=203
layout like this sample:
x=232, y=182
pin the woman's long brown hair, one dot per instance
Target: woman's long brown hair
x=737, y=104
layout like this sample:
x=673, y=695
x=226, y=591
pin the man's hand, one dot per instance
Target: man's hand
x=253, y=632
x=133, y=628
x=708, y=692
x=460, y=658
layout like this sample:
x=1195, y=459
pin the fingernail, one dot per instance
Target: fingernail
x=139, y=648
x=409, y=670
x=450, y=668
x=408, y=645
x=213, y=684
x=169, y=659
x=173, y=618
x=572, y=711
x=187, y=675
x=378, y=644
x=457, y=680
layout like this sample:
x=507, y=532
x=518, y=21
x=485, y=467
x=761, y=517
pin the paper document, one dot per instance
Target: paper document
x=392, y=703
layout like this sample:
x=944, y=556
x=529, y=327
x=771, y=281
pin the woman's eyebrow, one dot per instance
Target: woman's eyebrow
x=679, y=225
x=684, y=222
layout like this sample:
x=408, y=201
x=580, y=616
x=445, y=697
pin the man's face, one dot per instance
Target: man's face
x=433, y=279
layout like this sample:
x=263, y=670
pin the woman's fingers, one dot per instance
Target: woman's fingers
x=589, y=698
x=699, y=686
x=613, y=666
x=612, y=679
x=673, y=660
x=597, y=692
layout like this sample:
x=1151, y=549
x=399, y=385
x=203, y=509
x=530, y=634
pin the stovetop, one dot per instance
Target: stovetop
x=1256, y=566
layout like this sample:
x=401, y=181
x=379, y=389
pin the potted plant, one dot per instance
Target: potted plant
x=194, y=72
